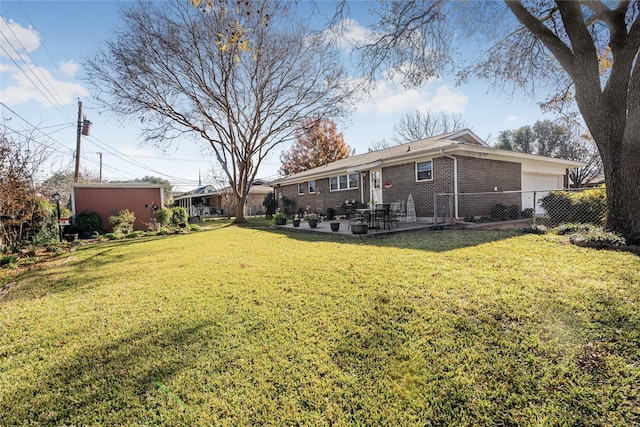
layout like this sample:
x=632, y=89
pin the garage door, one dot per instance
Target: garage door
x=541, y=183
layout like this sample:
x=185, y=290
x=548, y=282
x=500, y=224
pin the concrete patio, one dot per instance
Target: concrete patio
x=324, y=227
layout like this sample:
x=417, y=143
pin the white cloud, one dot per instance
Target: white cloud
x=26, y=81
x=16, y=40
x=389, y=98
x=69, y=68
x=513, y=119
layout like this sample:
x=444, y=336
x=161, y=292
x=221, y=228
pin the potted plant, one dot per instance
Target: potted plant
x=359, y=227
x=296, y=221
x=335, y=225
x=280, y=219
x=312, y=219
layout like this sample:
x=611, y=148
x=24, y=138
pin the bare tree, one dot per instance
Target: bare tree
x=241, y=76
x=586, y=50
x=418, y=125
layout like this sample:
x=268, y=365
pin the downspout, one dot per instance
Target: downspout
x=455, y=180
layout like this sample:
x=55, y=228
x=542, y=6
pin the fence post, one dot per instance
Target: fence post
x=435, y=209
x=534, y=208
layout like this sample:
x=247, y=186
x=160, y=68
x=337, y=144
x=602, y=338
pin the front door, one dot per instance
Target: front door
x=376, y=185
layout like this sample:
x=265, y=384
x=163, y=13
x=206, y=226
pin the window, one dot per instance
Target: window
x=312, y=187
x=343, y=182
x=377, y=181
x=301, y=188
x=353, y=180
x=423, y=171
x=333, y=183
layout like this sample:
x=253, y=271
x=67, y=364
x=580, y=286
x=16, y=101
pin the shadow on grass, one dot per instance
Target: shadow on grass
x=426, y=240
x=122, y=380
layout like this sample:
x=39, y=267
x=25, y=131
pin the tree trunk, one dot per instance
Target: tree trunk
x=240, y=219
x=622, y=177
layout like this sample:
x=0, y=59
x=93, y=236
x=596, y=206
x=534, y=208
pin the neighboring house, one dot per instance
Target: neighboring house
x=108, y=199
x=207, y=201
x=457, y=162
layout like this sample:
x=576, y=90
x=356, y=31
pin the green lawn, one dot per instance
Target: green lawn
x=246, y=326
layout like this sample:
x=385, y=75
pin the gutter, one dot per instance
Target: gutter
x=455, y=180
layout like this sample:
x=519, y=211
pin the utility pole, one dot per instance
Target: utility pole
x=83, y=129
x=100, y=154
x=76, y=176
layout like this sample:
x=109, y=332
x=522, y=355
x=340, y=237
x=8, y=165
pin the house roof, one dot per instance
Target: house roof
x=458, y=142
x=258, y=187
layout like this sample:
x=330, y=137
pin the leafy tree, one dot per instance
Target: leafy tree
x=22, y=211
x=553, y=139
x=318, y=143
x=60, y=182
x=418, y=125
x=587, y=51
x=167, y=188
x=240, y=76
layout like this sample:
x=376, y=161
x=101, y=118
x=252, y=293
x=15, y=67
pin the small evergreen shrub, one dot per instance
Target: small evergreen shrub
x=535, y=229
x=571, y=228
x=195, y=228
x=498, y=212
x=588, y=206
x=8, y=260
x=597, y=236
x=87, y=222
x=163, y=231
x=135, y=234
x=123, y=222
x=527, y=213
x=113, y=236
x=513, y=212
x=163, y=216
x=179, y=217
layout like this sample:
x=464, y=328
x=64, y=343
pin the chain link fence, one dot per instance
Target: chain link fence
x=548, y=207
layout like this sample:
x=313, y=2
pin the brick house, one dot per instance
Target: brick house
x=457, y=162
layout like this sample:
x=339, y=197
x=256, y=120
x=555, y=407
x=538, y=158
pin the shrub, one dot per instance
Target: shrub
x=163, y=216
x=179, y=217
x=8, y=260
x=163, y=231
x=123, y=222
x=571, y=227
x=195, y=228
x=135, y=234
x=87, y=222
x=527, y=213
x=114, y=236
x=513, y=212
x=271, y=204
x=498, y=212
x=597, y=236
x=588, y=206
x=535, y=229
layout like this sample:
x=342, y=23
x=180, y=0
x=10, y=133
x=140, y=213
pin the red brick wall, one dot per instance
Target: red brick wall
x=474, y=175
x=108, y=201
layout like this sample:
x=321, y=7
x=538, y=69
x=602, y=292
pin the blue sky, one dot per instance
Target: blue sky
x=44, y=44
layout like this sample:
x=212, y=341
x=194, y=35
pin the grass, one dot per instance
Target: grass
x=246, y=326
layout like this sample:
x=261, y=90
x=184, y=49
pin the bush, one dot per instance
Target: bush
x=498, y=212
x=87, y=222
x=589, y=206
x=271, y=204
x=571, y=228
x=535, y=229
x=598, y=236
x=163, y=216
x=8, y=260
x=527, y=213
x=195, y=228
x=114, y=236
x=135, y=234
x=513, y=212
x=179, y=217
x=163, y=231
x=123, y=222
